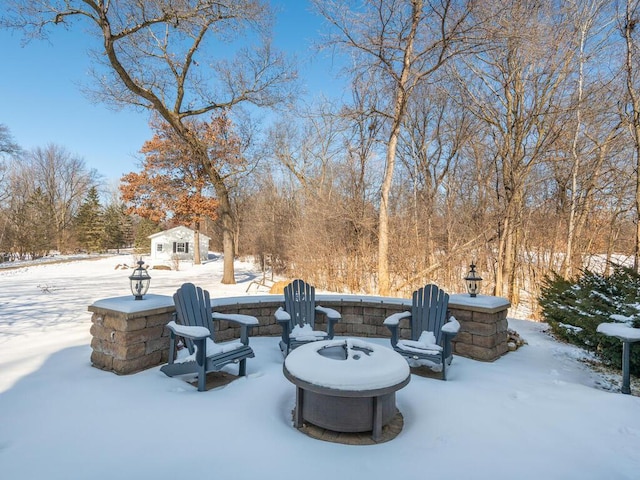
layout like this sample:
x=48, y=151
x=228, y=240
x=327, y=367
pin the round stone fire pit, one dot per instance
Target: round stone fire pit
x=346, y=385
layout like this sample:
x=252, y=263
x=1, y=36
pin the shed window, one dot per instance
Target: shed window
x=180, y=247
x=158, y=247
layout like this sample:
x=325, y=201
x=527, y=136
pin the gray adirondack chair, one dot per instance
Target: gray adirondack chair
x=194, y=321
x=298, y=317
x=430, y=329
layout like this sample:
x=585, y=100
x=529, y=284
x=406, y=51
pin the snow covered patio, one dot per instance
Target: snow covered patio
x=539, y=412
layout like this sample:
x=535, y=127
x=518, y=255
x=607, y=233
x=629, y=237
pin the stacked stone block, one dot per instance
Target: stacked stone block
x=483, y=333
x=483, y=322
x=126, y=343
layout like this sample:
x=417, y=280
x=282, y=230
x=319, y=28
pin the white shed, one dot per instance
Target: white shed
x=178, y=243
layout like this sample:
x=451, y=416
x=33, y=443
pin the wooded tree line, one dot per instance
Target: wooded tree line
x=516, y=148
x=51, y=202
x=504, y=133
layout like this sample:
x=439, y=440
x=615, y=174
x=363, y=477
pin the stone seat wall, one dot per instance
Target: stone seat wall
x=129, y=335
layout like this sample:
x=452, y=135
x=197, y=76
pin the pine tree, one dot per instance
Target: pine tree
x=89, y=223
x=143, y=229
x=115, y=225
x=574, y=308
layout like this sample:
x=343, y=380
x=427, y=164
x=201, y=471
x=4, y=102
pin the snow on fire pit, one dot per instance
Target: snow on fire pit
x=346, y=385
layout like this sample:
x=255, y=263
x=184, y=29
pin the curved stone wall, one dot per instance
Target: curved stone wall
x=483, y=319
x=129, y=336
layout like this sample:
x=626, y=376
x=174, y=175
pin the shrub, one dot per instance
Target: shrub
x=161, y=267
x=574, y=308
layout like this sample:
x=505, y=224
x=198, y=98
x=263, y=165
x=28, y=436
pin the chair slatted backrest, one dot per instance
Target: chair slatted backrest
x=300, y=303
x=193, y=307
x=429, y=311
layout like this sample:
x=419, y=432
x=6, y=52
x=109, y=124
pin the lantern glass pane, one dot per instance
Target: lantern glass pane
x=140, y=281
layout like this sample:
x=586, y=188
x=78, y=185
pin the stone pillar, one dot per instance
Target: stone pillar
x=483, y=326
x=130, y=335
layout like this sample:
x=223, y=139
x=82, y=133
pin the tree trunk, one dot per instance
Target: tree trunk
x=508, y=247
x=384, y=282
x=500, y=267
x=227, y=221
x=196, y=245
x=636, y=251
x=228, y=245
x=399, y=108
x=629, y=25
x=573, y=202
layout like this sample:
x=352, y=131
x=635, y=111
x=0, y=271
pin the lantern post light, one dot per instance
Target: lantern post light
x=473, y=281
x=140, y=281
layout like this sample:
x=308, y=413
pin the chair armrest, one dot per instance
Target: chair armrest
x=284, y=319
x=332, y=315
x=449, y=330
x=193, y=333
x=452, y=327
x=394, y=320
x=244, y=321
x=239, y=319
x=282, y=315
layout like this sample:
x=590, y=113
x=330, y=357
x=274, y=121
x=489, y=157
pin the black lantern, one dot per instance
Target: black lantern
x=473, y=281
x=140, y=281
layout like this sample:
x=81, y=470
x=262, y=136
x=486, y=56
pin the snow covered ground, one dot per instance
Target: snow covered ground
x=537, y=413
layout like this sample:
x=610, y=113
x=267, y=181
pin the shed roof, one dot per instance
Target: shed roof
x=175, y=230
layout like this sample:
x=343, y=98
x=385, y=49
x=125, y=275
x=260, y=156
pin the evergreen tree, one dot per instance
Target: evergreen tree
x=115, y=226
x=89, y=223
x=41, y=238
x=31, y=227
x=143, y=229
x=574, y=308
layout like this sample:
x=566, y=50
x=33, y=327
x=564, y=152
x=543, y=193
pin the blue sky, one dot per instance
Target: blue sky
x=42, y=101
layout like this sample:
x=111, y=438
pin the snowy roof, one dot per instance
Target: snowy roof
x=179, y=228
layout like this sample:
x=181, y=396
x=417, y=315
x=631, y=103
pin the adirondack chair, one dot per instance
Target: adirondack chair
x=298, y=316
x=431, y=332
x=194, y=322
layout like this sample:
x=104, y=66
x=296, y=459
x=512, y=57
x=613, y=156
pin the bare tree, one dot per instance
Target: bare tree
x=628, y=21
x=162, y=55
x=63, y=180
x=7, y=144
x=8, y=148
x=595, y=125
x=310, y=151
x=307, y=143
x=46, y=186
x=515, y=89
x=434, y=133
x=401, y=44
x=357, y=184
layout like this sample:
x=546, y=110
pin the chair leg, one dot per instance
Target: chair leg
x=201, y=360
x=242, y=368
x=444, y=368
x=202, y=380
